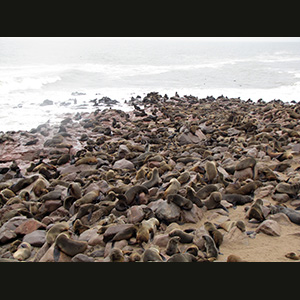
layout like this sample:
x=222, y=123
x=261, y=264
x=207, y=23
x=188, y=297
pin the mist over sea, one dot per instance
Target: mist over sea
x=73, y=71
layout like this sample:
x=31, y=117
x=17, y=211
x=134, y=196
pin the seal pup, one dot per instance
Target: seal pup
x=74, y=190
x=23, y=252
x=234, y=258
x=154, y=180
x=69, y=246
x=182, y=257
x=184, y=237
x=287, y=188
x=205, y=191
x=152, y=255
x=172, y=246
x=180, y=201
x=90, y=197
x=132, y=193
x=55, y=230
x=142, y=233
x=211, y=249
x=173, y=188
x=214, y=233
x=248, y=162
x=292, y=255
x=184, y=177
x=237, y=199
x=191, y=195
x=116, y=255
x=40, y=187
x=211, y=171
x=292, y=214
x=214, y=201
x=255, y=211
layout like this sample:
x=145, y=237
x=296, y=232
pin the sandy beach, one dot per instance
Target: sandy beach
x=119, y=186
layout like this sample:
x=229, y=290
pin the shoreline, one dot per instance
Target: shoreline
x=108, y=152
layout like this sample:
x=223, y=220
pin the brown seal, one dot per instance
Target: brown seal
x=116, y=255
x=180, y=201
x=87, y=198
x=154, y=180
x=69, y=246
x=214, y=233
x=55, y=230
x=182, y=257
x=214, y=201
x=173, y=188
x=39, y=187
x=191, y=195
x=210, y=246
x=151, y=254
x=205, y=191
x=211, y=171
x=234, y=258
x=74, y=190
x=183, y=236
x=133, y=192
x=237, y=199
x=172, y=246
x=255, y=211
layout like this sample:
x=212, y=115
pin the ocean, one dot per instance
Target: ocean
x=72, y=72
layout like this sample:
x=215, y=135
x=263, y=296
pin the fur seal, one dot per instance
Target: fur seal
x=214, y=201
x=79, y=228
x=23, y=252
x=184, y=177
x=74, y=190
x=234, y=258
x=70, y=246
x=180, y=201
x=292, y=214
x=151, y=254
x=248, y=162
x=90, y=160
x=142, y=233
x=39, y=187
x=23, y=183
x=246, y=189
x=173, y=188
x=237, y=199
x=172, y=246
x=154, y=180
x=125, y=234
x=211, y=171
x=206, y=191
x=183, y=236
x=287, y=188
x=255, y=211
x=210, y=246
x=214, y=233
x=193, y=250
x=182, y=257
x=90, y=197
x=133, y=192
x=191, y=195
x=116, y=255
x=55, y=230
x=121, y=203
x=292, y=255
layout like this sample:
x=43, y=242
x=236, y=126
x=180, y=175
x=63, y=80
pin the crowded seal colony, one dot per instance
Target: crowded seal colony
x=176, y=179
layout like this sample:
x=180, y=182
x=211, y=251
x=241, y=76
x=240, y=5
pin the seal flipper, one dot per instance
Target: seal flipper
x=90, y=215
x=223, y=207
x=56, y=253
x=162, y=257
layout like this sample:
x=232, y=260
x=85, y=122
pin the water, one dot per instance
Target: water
x=35, y=69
